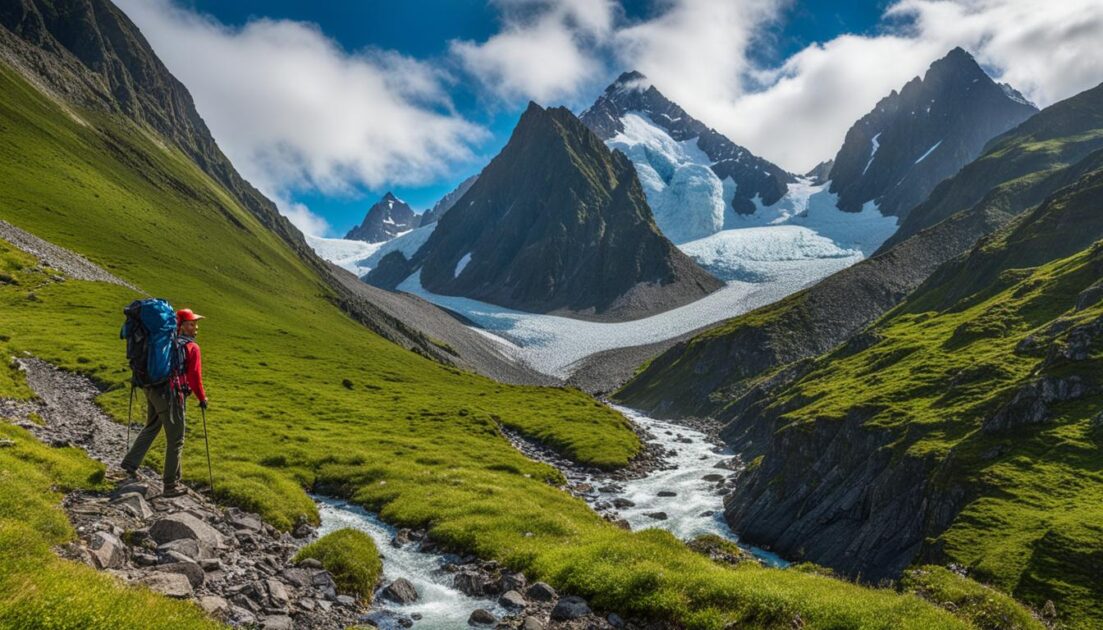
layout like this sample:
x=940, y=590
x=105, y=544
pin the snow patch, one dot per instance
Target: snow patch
x=462, y=264
x=876, y=145
x=929, y=151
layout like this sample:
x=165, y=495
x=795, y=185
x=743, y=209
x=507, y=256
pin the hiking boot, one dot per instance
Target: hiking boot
x=174, y=491
x=120, y=476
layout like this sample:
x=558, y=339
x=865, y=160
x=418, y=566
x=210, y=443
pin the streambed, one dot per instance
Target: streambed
x=440, y=606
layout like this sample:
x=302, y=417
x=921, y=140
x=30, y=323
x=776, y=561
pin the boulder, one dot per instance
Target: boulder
x=470, y=583
x=532, y=623
x=615, y=620
x=481, y=617
x=192, y=571
x=667, y=493
x=108, y=552
x=512, y=582
x=541, y=592
x=135, y=504
x=401, y=591
x=277, y=622
x=185, y=526
x=570, y=607
x=245, y=521
x=713, y=477
x=169, y=584
x=277, y=593
x=621, y=503
x=242, y=617
x=214, y=606
x=136, y=487
x=658, y=516
x=186, y=546
x=512, y=600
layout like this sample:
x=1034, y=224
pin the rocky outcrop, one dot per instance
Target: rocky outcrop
x=841, y=497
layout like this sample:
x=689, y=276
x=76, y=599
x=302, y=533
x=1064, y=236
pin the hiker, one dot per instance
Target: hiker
x=167, y=404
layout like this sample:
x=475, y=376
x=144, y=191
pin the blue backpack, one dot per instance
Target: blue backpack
x=152, y=348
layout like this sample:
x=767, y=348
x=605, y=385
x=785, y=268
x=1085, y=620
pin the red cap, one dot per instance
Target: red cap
x=186, y=315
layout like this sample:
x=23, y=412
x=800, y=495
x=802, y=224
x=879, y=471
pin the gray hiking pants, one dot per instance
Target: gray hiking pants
x=162, y=411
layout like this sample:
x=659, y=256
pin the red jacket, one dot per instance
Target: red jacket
x=193, y=370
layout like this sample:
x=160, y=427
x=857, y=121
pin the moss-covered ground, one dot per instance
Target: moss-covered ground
x=412, y=439
x=351, y=556
x=948, y=359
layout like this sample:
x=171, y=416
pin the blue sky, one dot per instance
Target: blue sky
x=325, y=106
x=423, y=28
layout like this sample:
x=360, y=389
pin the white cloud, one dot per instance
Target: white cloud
x=294, y=111
x=696, y=50
x=303, y=218
x=817, y=94
x=1048, y=50
x=545, y=50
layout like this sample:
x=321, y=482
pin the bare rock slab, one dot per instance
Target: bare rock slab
x=169, y=584
x=185, y=526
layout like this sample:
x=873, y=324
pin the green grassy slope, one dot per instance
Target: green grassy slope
x=957, y=377
x=410, y=438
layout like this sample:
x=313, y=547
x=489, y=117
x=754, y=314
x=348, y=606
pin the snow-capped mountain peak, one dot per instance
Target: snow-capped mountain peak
x=695, y=178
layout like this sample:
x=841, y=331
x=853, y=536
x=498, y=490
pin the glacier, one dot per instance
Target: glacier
x=686, y=197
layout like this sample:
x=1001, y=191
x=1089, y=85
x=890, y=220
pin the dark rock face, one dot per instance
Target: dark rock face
x=389, y=217
x=632, y=92
x=896, y=154
x=862, y=517
x=555, y=223
x=432, y=215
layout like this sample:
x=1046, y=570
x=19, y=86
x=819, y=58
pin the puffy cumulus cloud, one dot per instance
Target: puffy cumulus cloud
x=797, y=114
x=294, y=111
x=1048, y=50
x=812, y=100
x=695, y=51
x=546, y=49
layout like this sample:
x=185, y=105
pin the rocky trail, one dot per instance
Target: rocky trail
x=233, y=565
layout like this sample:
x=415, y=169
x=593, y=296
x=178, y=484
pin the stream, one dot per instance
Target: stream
x=441, y=607
x=689, y=490
x=696, y=476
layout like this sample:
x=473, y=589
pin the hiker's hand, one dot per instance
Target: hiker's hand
x=203, y=404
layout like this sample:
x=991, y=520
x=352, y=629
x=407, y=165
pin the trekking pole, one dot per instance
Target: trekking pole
x=210, y=472
x=129, y=415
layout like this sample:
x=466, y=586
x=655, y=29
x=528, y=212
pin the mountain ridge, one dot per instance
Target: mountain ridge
x=555, y=223
x=912, y=139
